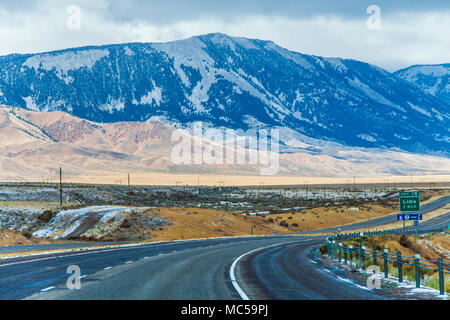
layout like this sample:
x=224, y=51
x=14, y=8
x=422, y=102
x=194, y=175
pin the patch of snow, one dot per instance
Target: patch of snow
x=128, y=51
x=246, y=43
x=65, y=62
x=366, y=137
x=153, y=96
x=113, y=105
x=31, y=105
x=356, y=83
x=419, y=109
x=336, y=63
x=294, y=56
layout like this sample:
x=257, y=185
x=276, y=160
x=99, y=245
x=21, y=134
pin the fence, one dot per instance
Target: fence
x=345, y=236
x=361, y=256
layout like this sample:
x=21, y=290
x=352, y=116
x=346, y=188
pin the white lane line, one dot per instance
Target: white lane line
x=107, y=268
x=313, y=262
x=128, y=262
x=95, y=251
x=145, y=258
x=47, y=289
x=81, y=277
x=236, y=286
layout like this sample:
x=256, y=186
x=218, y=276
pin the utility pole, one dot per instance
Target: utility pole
x=129, y=191
x=259, y=195
x=60, y=186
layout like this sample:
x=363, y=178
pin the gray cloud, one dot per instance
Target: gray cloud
x=166, y=12
x=412, y=32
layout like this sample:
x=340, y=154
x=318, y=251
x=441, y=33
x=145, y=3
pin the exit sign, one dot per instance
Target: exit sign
x=409, y=201
x=403, y=194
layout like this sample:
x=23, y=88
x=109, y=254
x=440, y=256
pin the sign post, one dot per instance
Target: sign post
x=409, y=201
x=416, y=224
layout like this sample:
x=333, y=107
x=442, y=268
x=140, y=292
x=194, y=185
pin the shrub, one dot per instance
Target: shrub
x=46, y=216
x=27, y=234
x=294, y=225
x=284, y=224
x=323, y=249
x=125, y=224
x=405, y=242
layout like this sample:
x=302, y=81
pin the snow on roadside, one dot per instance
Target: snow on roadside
x=410, y=286
x=93, y=221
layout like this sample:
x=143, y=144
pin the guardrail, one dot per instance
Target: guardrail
x=360, y=255
x=399, y=231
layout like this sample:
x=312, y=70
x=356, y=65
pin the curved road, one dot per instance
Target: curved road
x=196, y=270
x=185, y=270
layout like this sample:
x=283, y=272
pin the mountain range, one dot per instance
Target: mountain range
x=114, y=108
x=238, y=83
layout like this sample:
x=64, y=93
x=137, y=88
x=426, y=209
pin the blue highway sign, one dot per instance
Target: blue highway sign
x=409, y=216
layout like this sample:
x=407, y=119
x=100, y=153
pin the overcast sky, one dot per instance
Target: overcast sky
x=410, y=32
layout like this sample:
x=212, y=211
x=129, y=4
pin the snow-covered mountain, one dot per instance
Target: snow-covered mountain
x=432, y=79
x=231, y=82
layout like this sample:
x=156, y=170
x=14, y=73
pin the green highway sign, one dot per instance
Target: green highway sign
x=409, y=201
x=402, y=194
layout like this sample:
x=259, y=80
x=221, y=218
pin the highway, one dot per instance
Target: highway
x=275, y=267
x=198, y=270
x=439, y=203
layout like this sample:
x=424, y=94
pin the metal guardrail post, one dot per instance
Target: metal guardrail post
x=386, y=266
x=340, y=251
x=357, y=251
x=399, y=266
x=441, y=276
x=351, y=254
x=417, y=266
x=363, y=258
x=345, y=254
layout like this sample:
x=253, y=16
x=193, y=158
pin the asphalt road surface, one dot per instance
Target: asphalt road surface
x=198, y=270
